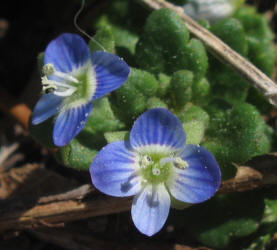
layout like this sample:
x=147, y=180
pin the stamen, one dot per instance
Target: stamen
x=49, y=70
x=177, y=162
x=49, y=90
x=65, y=93
x=163, y=161
x=180, y=163
x=58, y=88
x=145, y=161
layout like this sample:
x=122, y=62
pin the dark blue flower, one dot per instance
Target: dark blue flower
x=155, y=165
x=73, y=78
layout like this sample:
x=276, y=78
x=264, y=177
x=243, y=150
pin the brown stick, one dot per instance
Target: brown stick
x=222, y=51
x=80, y=203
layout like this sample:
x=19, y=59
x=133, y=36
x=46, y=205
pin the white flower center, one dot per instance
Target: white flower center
x=146, y=161
x=157, y=168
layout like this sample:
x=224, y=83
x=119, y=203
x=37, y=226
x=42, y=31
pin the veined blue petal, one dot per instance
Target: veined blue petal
x=67, y=52
x=111, y=72
x=113, y=170
x=47, y=106
x=157, y=126
x=150, y=209
x=200, y=180
x=69, y=123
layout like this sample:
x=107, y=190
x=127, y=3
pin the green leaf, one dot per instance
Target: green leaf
x=161, y=48
x=262, y=54
x=180, y=88
x=125, y=39
x=254, y=24
x=195, y=120
x=164, y=84
x=194, y=132
x=103, y=37
x=236, y=135
x=79, y=153
x=231, y=31
x=102, y=118
x=155, y=102
x=196, y=55
x=201, y=92
x=116, y=136
x=227, y=84
x=131, y=98
x=194, y=113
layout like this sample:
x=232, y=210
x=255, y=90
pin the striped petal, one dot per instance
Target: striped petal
x=113, y=170
x=150, y=209
x=157, y=126
x=69, y=123
x=67, y=52
x=47, y=106
x=111, y=72
x=200, y=180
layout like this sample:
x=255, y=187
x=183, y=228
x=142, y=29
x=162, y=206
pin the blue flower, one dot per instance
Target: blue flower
x=155, y=165
x=73, y=78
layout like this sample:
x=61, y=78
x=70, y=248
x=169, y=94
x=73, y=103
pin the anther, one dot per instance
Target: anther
x=48, y=69
x=177, y=162
x=180, y=163
x=58, y=88
x=145, y=161
x=49, y=90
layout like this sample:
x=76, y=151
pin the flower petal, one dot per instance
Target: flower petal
x=150, y=209
x=111, y=72
x=200, y=180
x=47, y=106
x=69, y=123
x=67, y=52
x=113, y=170
x=157, y=126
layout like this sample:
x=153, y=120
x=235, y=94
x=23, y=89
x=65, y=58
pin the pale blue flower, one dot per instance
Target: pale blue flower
x=73, y=79
x=155, y=165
